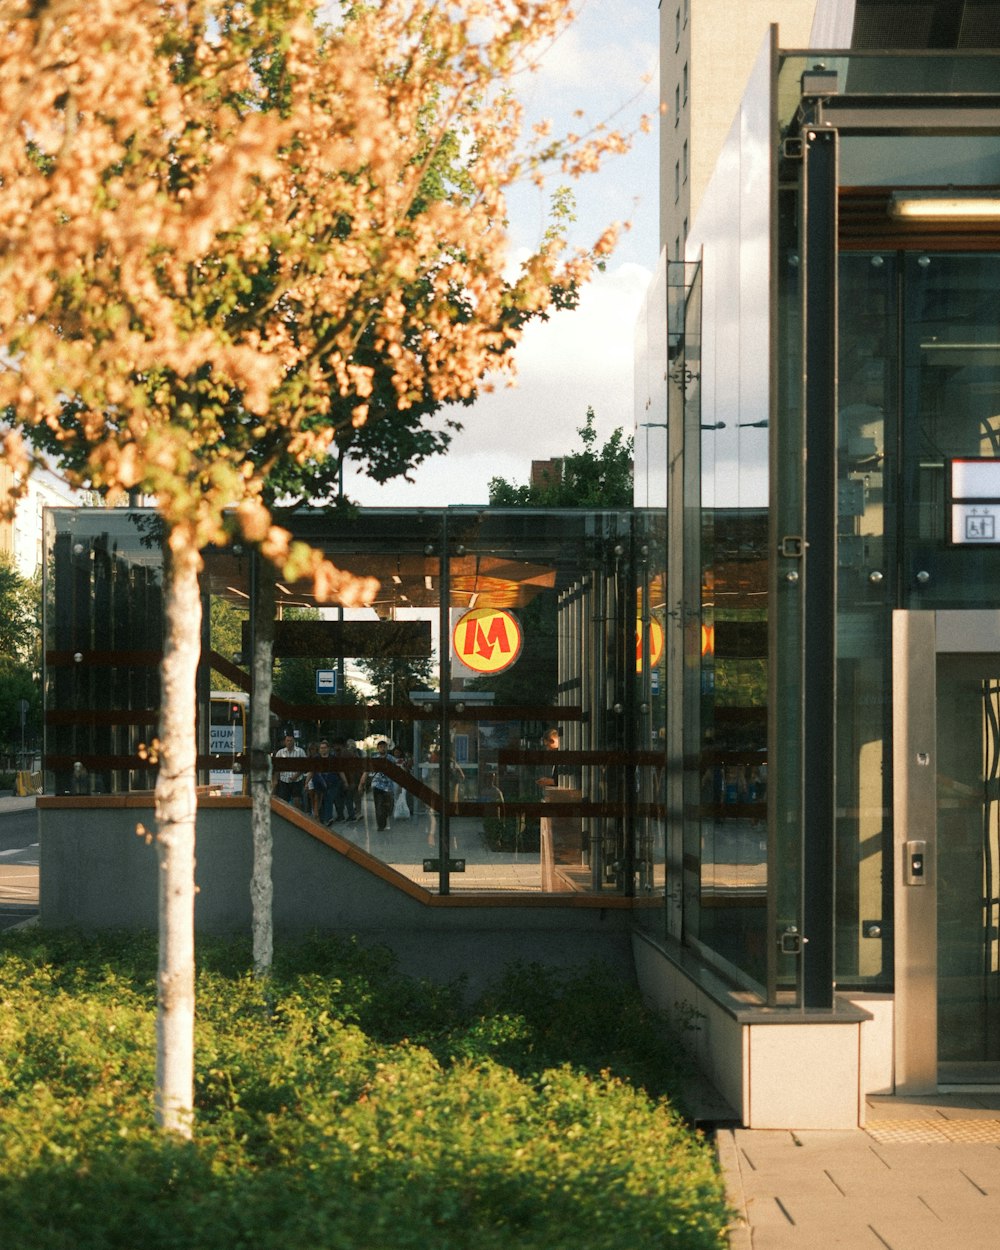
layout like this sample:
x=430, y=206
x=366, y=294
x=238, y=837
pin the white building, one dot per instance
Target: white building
x=707, y=49
x=21, y=538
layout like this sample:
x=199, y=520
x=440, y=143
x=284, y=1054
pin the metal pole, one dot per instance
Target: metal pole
x=444, y=648
x=820, y=564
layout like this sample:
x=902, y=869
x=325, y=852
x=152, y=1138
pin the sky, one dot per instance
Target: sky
x=604, y=64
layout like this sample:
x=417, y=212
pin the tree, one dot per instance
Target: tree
x=583, y=479
x=205, y=207
x=226, y=636
x=20, y=614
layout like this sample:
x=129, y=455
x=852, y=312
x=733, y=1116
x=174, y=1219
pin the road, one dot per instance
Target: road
x=18, y=864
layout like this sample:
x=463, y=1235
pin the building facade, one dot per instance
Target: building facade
x=707, y=48
x=21, y=536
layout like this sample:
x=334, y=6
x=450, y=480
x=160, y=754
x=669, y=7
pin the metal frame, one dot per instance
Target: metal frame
x=819, y=688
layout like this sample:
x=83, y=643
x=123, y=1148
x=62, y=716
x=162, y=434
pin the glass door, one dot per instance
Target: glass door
x=968, y=868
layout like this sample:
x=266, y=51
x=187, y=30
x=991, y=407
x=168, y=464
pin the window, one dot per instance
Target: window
x=677, y=105
x=685, y=160
x=677, y=247
x=678, y=28
x=685, y=82
x=677, y=181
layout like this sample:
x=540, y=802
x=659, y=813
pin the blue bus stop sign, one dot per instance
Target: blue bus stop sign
x=326, y=681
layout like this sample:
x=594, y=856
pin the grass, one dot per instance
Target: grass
x=340, y=1106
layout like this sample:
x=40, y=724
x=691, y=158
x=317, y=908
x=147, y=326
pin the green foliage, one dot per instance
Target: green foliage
x=20, y=614
x=20, y=655
x=226, y=625
x=585, y=479
x=511, y=833
x=395, y=676
x=18, y=681
x=340, y=1105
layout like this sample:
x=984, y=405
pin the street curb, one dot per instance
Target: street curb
x=15, y=803
x=729, y=1163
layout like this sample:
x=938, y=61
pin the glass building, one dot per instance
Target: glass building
x=832, y=478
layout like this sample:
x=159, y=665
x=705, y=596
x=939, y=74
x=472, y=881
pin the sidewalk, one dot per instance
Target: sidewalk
x=18, y=871
x=923, y=1175
x=9, y=804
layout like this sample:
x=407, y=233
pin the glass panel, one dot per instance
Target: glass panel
x=588, y=819
x=920, y=160
x=686, y=579
x=734, y=737
x=102, y=646
x=865, y=584
x=495, y=637
x=385, y=661
x=951, y=408
x=725, y=852
x=968, y=867
x=881, y=73
x=651, y=699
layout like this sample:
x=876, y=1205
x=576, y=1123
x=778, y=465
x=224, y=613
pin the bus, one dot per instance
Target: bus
x=230, y=710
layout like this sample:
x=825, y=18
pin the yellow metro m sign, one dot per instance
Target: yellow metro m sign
x=487, y=640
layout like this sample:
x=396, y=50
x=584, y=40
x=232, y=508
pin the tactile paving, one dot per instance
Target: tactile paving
x=924, y=1132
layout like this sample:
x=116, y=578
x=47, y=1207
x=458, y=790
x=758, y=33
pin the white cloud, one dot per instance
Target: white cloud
x=578, y=359
x=602, y=56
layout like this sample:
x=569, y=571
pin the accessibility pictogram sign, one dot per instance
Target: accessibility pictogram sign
x=487, y=640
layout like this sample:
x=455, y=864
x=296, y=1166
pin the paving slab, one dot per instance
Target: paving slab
x=923, y=1175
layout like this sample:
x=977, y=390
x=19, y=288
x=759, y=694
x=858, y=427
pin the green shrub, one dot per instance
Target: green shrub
x=510, y=833
x=340, y=1105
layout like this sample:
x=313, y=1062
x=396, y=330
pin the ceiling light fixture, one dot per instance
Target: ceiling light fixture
x=914, y=206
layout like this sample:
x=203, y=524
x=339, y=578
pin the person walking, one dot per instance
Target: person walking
x=353, y=797
x=383, y=791
x=330, y=785
x=288, y=782
x=402, y=808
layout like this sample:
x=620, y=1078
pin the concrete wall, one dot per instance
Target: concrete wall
x=96, y=872
x=779, y=1068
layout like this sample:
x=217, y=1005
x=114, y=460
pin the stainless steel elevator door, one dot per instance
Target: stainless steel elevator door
x=968, y=867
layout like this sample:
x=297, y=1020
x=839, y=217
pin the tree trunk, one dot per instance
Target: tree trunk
x=176, y=804
x=261, y=884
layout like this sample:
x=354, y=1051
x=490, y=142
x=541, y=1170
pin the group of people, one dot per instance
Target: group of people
x=330, y=792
